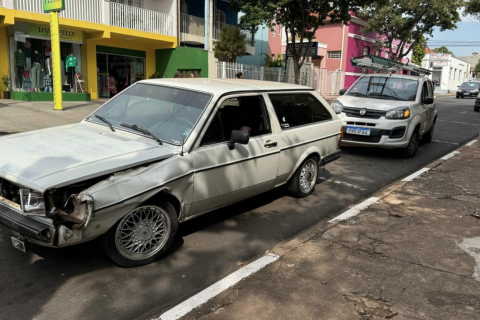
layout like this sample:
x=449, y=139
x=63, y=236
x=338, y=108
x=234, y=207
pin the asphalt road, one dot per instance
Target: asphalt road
x=81, y=283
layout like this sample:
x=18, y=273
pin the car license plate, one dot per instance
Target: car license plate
x=359, y=131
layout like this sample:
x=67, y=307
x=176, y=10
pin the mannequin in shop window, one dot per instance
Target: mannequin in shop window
x=47, y=80
x=20, y=64
x=71, y=65
x=37, y=70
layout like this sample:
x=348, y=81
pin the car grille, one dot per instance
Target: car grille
x=371, y=114
x=358, y=138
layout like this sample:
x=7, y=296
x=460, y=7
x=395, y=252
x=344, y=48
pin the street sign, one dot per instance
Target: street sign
x=311, y=48
x=53, y=5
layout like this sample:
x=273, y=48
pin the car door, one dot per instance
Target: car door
x=424, y=108
x=223, y=176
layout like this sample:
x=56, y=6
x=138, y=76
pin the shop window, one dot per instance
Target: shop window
x=31, y=64
x=187, y=73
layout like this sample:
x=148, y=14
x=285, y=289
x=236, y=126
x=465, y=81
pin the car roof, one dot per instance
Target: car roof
x=403, y=76
x=222, y=86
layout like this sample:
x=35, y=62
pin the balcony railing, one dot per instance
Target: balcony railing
x=219, y=26
x=85, y=10
x=106, y=12
x=140, y=19
x=192, y=25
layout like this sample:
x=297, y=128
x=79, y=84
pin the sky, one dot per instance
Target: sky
x=462, y=41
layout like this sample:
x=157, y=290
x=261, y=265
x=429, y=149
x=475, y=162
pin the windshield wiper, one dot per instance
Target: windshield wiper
x=379, y=95
x=142, y=130
x=108, y=123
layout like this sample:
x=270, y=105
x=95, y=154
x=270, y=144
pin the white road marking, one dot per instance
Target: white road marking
x=218, y=287
x=355, y=210
x=450, y=155
x=445, y=142
x=470, y=124
x=415, y=175
x=342, y=183
x=471, y=143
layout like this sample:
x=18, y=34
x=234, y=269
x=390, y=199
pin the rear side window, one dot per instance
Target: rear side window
x=295, y=110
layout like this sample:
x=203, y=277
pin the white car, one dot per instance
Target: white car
x=388, y=111
x=159, y=153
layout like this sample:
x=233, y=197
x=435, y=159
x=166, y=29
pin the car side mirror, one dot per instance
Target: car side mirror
x=342, y=92
x=239, y=137
x=427, y=100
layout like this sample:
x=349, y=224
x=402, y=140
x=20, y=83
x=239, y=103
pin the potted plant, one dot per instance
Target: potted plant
x=6, y=86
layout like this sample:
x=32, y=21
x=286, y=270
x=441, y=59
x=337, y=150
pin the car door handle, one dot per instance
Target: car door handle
x=270, y=144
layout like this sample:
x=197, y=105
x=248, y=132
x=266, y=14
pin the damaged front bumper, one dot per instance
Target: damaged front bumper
x=58, y=230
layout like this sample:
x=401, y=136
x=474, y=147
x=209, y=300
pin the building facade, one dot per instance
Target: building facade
x=110, y=44
x=448, y=72
x=337, y=44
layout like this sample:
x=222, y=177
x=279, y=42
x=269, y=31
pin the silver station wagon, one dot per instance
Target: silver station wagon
x=160, y=153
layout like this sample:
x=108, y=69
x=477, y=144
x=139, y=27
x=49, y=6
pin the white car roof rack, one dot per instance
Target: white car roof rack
x=377, y=63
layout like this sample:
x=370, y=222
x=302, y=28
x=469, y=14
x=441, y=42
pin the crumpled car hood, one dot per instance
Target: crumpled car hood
x=64, y=155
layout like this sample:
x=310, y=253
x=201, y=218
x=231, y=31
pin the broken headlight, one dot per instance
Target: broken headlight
x=32, y=202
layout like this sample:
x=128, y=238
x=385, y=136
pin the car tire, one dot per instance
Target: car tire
x=303, y=182
x=412, y=147
x=457, y=97
x=463, y=97
x=148, y=232
x=428, y=136
x=476, y=109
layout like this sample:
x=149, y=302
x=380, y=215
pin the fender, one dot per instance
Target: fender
x=313, y=150
x=413, y=124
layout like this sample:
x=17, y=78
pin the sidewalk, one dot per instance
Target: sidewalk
x=19, y=116
x=414, y=254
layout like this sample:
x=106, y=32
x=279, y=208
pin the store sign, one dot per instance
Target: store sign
x=437, y=63
x=43, y=31
x=53, y=5
x=439, y=56
x=310, y=48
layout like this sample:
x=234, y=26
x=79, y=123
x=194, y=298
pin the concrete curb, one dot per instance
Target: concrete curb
x=283, y=248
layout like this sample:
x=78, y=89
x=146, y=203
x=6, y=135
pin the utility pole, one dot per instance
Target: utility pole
x=54, y=7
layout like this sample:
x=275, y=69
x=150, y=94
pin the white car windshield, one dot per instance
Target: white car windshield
x=470, y=85
x=169, y=114
x=385, y=87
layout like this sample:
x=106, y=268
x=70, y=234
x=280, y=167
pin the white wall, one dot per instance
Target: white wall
x=452, y=75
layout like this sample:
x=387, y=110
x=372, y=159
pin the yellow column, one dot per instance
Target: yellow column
x=56, y=61
x=3, y=57
x=149, y=63
x=92, y=81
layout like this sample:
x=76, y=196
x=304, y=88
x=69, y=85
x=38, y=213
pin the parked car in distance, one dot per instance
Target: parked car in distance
x=468, y=89
x=160, y=153
x=388, y=111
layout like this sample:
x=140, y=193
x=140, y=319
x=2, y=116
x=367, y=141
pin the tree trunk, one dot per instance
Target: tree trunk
x=296, y=71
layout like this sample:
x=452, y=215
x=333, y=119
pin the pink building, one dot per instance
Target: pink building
x=337, y=44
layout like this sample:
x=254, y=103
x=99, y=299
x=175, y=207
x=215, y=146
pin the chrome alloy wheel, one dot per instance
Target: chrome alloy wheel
x=143, y=232
x=308, y=176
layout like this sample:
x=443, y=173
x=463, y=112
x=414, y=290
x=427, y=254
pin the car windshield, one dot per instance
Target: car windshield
x=470, y=85
x=168, y=113
x=385, y=87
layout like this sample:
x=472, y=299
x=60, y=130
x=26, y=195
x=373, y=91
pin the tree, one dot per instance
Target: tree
x=476, y=70
x=300, y=18
x=274, y=62
x=230, y=45
x=419, y=51
x=472, y=7
x=443, y=49
x=404, y=22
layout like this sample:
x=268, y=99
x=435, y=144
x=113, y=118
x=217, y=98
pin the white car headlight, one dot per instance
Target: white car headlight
x=32, y=202
x=459, y=90
x=337, y=106
x=398, y=113
x=475, y=91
